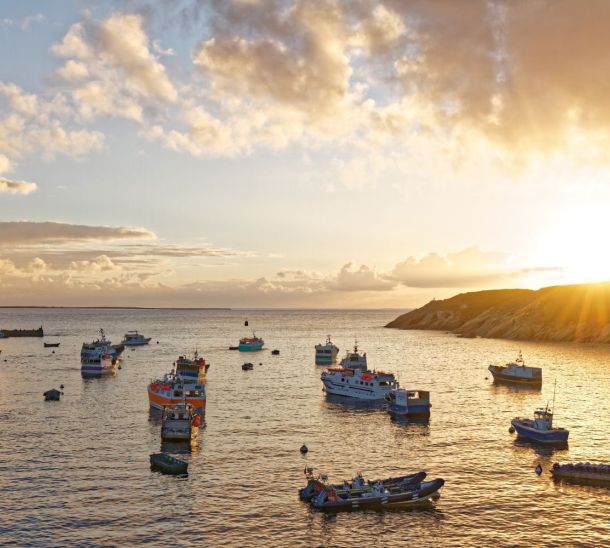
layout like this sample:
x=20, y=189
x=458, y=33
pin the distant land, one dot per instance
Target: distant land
x=558, y=313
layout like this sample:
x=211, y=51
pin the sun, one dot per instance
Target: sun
x=575, y=241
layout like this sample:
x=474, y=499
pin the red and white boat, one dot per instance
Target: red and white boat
x=184, y=384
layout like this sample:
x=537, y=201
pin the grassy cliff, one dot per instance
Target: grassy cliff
x=558, y=313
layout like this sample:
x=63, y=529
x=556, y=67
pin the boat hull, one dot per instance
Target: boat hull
x=554, y=436
x=355, y=392
x=139, y=343
x=250, y=347
x=415, y=410
x=97, y=370
x=510, y=379
x=161, y=400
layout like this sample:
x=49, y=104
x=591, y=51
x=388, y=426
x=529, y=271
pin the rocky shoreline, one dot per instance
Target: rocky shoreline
x=559, y=313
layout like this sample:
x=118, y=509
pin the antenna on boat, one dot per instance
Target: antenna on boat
x=554, y=390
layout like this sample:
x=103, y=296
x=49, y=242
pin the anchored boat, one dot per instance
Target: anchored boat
x=133, y=338
x=100, y=357
x=358, y=485
x=184, y=384
x=180, y=423
x=356, y=381
x=517, y=372
x=167, y=464
x=379, y=497
x=541, y=428
x=248, y=344
x=407, y=403
x=582, y=472
x=326, y=353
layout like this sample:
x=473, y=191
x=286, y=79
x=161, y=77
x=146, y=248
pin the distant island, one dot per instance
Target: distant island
x=558, y=313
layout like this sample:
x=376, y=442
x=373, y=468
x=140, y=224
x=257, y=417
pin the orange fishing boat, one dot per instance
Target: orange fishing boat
x=184, y=384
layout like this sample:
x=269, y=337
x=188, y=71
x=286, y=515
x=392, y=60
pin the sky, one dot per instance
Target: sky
x=300, y=153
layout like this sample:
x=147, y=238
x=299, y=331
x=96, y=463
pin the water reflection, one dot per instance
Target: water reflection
x=542, y=449
x=343, y=403
x=505, y=386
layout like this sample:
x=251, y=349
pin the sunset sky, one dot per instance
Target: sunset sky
x=307, y=153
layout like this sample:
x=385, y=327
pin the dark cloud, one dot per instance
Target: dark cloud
x=14, y=233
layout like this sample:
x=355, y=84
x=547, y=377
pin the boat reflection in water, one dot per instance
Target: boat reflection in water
x=352, y=404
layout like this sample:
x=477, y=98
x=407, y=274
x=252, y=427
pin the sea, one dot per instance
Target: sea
x=76, y=472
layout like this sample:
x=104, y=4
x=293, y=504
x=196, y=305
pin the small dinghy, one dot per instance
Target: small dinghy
x=50, y=345
x=379, y=497
x=358, y=485
x=275, y=352
x=167, y=464
x=582, y=472
x=247, y=366
x=52, y=395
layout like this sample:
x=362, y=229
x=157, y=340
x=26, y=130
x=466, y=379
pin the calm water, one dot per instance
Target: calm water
x=77, y=471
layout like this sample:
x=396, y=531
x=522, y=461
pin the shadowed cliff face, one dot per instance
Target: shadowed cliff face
x=559, y=313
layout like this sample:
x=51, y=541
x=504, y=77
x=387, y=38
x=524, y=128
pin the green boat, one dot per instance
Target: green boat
x=167, y=464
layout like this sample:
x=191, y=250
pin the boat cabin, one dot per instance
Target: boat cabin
x=543, y=419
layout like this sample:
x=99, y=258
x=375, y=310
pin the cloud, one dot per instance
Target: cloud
x=470, y=267
x=363, y=278
x=13, y=233
x=111, y=70
x=16, y=187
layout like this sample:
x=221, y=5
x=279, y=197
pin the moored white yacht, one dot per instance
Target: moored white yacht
x=133, y=338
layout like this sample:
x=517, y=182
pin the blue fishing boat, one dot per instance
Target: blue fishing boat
x=248, y=344
x=540, y=428
x=405, y=402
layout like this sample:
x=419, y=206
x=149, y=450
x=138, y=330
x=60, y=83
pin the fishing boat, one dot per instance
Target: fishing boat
x=92, y=350
x=316, y=484
x=356, y=380
x=517, y=372
x=326, y=353
x=167, y=464
x=133, y=338
x=540, y=428
x=379, y=497
x=180, y=423
x=184, y=384
x=248, y=344
x=354, y=359
x=50, y=345
x=582, y=472
x=406, y=403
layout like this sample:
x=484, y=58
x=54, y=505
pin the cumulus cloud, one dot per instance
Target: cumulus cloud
x=16, y=187
x=363, y=278
x=110, y=68
x=470, y=267
x=14, y=233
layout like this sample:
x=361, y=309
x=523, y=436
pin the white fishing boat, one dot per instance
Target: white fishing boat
x=326, y=354
x=133, y=338
x=354, y=359
x=357, y=381
x=100, y=357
